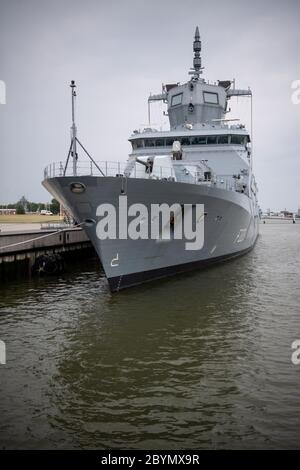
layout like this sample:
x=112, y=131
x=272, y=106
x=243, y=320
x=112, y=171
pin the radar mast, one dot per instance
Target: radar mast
x=196, y=70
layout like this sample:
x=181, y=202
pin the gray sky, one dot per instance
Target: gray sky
x=119, y=51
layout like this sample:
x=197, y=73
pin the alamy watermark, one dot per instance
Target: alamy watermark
x=161, y=222
x=2, y=353
x=2, y=92
x=296, y=93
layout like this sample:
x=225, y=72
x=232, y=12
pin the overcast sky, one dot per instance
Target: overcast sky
x=119, y=51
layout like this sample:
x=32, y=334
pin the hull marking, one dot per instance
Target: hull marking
x=115, y=261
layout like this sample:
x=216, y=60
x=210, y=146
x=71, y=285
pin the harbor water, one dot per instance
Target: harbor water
x=202, y=360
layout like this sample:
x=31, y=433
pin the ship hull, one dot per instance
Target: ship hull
x=230, y=226
x=135, y=279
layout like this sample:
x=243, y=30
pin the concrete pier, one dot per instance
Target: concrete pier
x=17, y=260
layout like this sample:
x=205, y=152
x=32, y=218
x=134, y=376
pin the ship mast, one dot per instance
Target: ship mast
x=74, y=140
x=73, y=130
x=196, y=70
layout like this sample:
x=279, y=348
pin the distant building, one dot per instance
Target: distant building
x=8, y=211
x=286, y=213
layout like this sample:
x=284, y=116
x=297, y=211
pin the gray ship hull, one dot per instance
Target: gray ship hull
x=230, y=225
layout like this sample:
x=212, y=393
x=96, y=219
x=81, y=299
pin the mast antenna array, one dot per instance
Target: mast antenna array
x=73, y=130
x=74, y=139
x=196, y=71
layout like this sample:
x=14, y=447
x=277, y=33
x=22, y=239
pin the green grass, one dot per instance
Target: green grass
x=29, y=219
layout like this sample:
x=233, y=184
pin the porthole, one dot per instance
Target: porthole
x=77, y=187
x=89, y=222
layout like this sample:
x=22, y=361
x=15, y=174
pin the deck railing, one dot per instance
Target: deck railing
x=182, y=173
x=57, y=169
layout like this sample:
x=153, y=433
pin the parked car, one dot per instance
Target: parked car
x=44, y=212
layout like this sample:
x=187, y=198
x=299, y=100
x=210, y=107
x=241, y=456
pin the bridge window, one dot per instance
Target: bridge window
x=176, y=99
x=212, y=98
x=201, y=140
x=137, y=144
x=238, y=139
x=191, y=140
x=212, y=139
x=149, y=143
x=223, y=139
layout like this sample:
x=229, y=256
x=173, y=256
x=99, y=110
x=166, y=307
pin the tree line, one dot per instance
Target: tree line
x=23, y=206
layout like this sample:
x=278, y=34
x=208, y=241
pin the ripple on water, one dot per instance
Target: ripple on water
x=200, y=360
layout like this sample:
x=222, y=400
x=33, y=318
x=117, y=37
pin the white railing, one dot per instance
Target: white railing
x=86, y=168
x=178, y=173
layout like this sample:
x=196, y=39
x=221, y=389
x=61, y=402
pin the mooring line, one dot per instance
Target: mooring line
x=38, y=238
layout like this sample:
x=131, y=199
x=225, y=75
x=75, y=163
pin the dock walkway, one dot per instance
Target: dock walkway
x=21, y=246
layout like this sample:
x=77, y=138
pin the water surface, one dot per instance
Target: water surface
x=198, y=361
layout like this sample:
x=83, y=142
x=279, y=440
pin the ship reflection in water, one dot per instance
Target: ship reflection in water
x=198, y=361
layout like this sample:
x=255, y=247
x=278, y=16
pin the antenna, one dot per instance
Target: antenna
x=74, y=140
x=73, y=130
x=196, y=71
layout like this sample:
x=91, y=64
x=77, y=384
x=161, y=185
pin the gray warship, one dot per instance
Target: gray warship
x=203, y=159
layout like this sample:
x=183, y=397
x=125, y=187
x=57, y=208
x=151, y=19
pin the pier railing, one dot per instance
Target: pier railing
x=183, y=172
